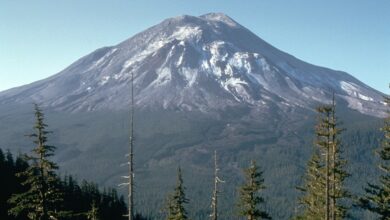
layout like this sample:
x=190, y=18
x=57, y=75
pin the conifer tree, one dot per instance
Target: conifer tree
x=177, y=200
x=249, y=194
x=377, y=198
x=2, y=158
x=10, y=184
x=338, y=173
x=41, y=199
x=314, y=190
x=324, y=189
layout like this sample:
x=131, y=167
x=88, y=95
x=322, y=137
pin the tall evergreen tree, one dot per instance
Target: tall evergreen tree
x=177, y=200
x=377, y=198
x=314, y=190
x=338, y=173
x=323, y=188
x=249, y=194
x=41, y=200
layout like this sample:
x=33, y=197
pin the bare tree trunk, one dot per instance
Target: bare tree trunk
x=333, y=129
x=214, y=199
x=131, y=154
x=327, y=203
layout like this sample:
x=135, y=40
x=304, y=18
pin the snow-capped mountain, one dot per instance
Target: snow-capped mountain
x=195, y=63
x=222, y=88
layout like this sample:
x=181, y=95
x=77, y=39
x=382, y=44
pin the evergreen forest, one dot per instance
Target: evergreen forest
x=32, y=188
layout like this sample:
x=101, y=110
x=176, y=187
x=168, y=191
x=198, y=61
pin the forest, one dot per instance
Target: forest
x=33, y=189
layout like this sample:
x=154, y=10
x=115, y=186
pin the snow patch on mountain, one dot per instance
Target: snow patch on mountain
x=104, y=80
x=98, y=63
x=353, y=90
x=220, y=17
x=187, y=33
x=190, y=75
x=201, y=63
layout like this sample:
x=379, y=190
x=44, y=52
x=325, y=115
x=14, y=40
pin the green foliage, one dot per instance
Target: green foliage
x=249, y=194
x=285, y=146
x=324, y=187
x=314, y=190
x=177, y=200
x=377, y=198
x=10, y=183
x=42, y=198
x=38, y=193
x=77, y=198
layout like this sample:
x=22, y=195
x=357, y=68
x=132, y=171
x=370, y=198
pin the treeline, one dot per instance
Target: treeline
x=80, y=200
x=31, y=188
x=324, y=195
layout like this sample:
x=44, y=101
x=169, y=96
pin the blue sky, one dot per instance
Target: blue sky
x=40, y=38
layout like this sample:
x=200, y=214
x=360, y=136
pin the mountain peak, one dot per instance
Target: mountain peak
x=220, y=17
x=204, y=63
x=206, y=19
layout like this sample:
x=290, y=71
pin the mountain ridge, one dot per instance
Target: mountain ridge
x=190, y=63
x=229, y=92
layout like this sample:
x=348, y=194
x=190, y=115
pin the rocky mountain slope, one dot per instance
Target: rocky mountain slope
x=191, y=63
x=201, y=84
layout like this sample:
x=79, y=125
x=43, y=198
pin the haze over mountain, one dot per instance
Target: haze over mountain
x=201, y=84
x=195, y=63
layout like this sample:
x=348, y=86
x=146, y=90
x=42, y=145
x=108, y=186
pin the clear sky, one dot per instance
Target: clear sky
x=40, y=38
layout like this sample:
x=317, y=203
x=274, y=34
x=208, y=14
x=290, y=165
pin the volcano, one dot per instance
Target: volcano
x=200, y=84
x=189, y=63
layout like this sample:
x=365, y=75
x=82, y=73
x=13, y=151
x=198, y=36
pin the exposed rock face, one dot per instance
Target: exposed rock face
x=191, y=63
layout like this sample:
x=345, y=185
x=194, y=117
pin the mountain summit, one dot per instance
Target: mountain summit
x=202, y=84
x=192, y=63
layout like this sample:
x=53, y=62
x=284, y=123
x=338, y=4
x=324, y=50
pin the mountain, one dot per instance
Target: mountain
x=201, y=84
x=195, y=63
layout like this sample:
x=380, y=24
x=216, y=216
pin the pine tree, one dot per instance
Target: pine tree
x=249, y=194
x=41, y=199
x=377, y=198
x=314, y=190
x=177, y=201
x=324, y=191
x=338, y=174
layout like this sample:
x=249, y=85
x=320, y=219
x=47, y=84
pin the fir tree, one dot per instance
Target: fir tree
x=177, y=201
x=338, y=173
x=249, y=194
x=41, y=199
x=377, y=198
x=324, y=189
x=314, y=190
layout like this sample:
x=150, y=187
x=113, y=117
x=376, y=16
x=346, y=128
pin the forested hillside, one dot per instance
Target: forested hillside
x=80, y=200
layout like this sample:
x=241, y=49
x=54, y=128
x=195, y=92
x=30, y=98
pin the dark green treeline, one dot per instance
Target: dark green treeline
x=324, y=195
x=77, y=197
